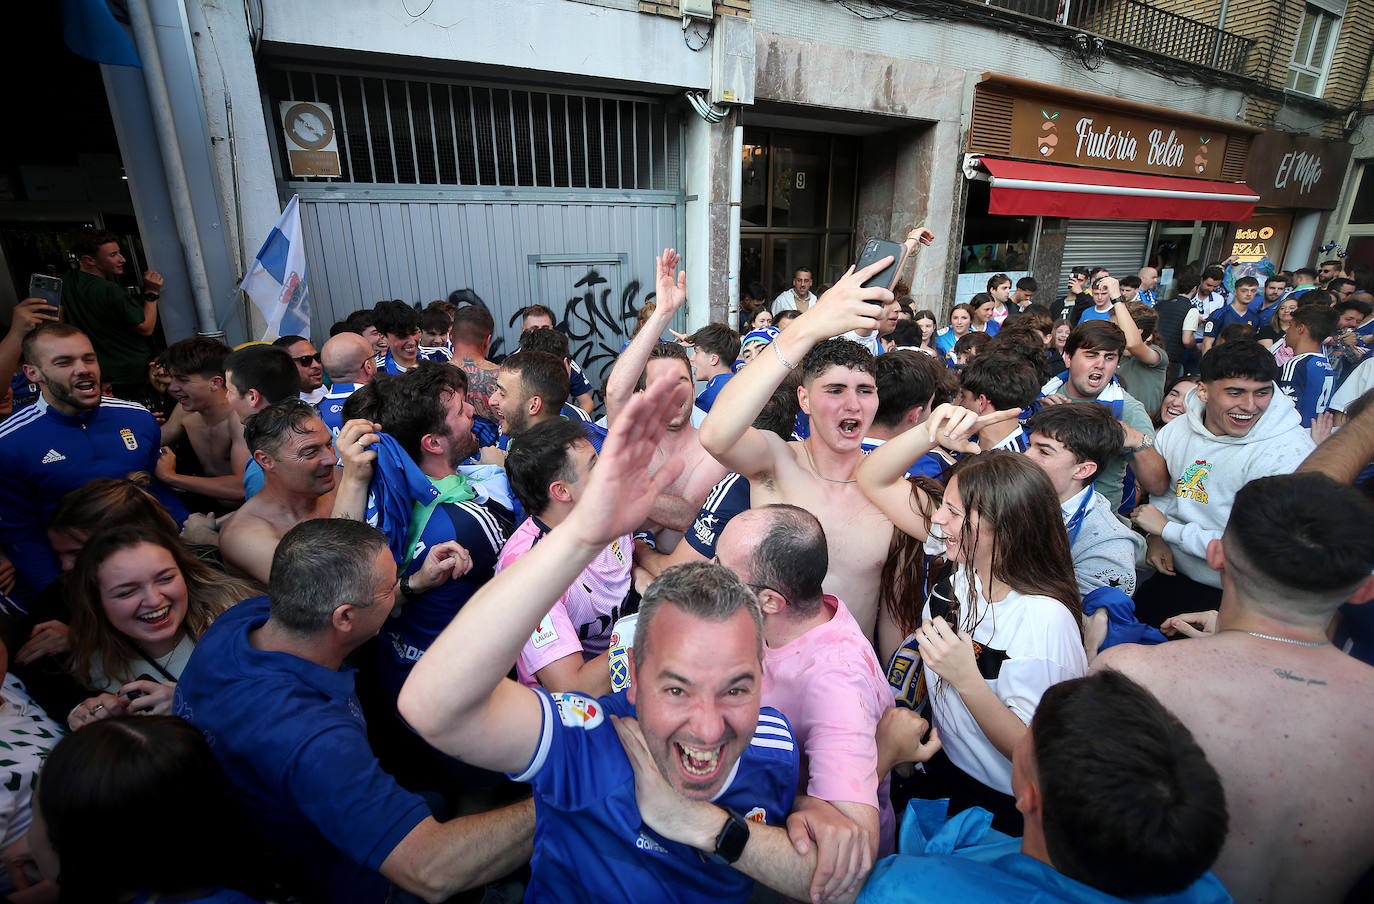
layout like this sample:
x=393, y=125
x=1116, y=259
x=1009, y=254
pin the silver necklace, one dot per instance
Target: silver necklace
x=815, y=470
x=1296, y=643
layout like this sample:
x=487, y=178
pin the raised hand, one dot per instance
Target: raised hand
x=848, y=304
x=670, y=291
x=620, y=490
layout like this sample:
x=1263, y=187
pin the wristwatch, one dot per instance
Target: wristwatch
x=734, y=835
x=406, y=592
x=151, y=296
x=1147, y=442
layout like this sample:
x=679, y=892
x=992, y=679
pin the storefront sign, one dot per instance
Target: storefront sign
x=1055, y=132
x=1296, y=171
x=1262, y=236
x=312, y=148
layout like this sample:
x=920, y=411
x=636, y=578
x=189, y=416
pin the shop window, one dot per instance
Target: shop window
x=993, y=244
x=1312, y=51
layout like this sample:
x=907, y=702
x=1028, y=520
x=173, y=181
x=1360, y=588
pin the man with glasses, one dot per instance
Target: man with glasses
x=308, y=363
x=819, y=669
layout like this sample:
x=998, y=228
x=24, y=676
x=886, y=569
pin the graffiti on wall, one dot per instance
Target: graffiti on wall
x=597, y=322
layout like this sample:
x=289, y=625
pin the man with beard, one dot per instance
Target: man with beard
x=529, y=389
x=49, y=449
x=117, y=324
x=644, y=361
x=427, y=412
x=309, y=364
x=698, y=737
x=292, y=446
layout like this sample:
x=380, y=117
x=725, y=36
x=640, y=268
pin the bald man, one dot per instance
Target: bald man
x=1149, y=278
x=818, y=667
x=349, y=360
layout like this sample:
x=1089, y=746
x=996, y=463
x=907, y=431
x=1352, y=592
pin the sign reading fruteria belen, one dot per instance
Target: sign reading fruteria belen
x=1056, y=132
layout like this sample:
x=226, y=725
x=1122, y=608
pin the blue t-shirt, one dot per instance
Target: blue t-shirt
x=1092, y=313
x=963, y=858
x=1262, y=314
x=727, y=498
x=291, y=739
x=1308, y=380
x=590, y=843
x=387, y=364
x=707, y=397
x=331, y=406
x=481, y=529
x=1226, y=315
x=45, y=454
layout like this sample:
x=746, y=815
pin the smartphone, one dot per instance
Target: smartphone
x=48, y=288
x=875, y=250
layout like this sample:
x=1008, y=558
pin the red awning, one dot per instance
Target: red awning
x=1020, y=188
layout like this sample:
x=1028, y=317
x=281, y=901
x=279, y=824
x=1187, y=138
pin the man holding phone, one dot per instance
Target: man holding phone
x=118, y=324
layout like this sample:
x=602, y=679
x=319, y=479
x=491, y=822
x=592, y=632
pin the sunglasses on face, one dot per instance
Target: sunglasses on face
x=306, y=360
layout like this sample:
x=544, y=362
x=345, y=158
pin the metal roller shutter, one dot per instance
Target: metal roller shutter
x=1118, y=245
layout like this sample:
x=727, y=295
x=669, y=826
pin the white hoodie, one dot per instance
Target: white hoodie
x=1208, y=470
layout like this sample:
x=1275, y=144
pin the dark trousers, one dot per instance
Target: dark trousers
x=1164, y=596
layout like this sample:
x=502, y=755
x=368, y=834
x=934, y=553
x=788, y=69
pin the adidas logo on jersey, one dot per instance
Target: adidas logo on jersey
x=52, y=456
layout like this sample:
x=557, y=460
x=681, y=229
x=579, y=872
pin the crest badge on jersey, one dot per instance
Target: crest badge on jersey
x=130, y=441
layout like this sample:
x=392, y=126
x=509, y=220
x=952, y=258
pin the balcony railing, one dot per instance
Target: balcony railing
x=1141, y=25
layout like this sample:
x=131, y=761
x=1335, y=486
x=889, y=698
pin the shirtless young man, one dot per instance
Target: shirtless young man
x=839, y=393
x=644, y=361
x=293, y=447
x=204, y=416
x=1280, y=712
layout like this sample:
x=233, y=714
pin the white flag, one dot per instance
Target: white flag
x=277, y=281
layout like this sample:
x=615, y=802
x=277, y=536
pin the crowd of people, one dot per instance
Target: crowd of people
x=1056, y=601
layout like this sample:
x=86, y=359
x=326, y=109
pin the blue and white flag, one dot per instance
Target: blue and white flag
x=277, y=282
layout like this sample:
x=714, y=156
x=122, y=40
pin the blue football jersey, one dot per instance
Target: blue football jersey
x=589, y=841
x=1308, y=380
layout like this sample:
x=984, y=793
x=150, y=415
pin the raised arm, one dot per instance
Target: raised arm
x=28, y=315
x=728, y=432
x=1135, y=342
x=882, y=473
x=458, y=697
x=670, y=295
x=1347, y=452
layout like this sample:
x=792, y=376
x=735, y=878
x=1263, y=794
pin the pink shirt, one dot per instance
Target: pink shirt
x=831, y=688
x=580, y=622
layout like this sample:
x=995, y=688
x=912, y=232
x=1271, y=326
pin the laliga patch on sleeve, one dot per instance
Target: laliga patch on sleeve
x=577, y=711
x=545, y=634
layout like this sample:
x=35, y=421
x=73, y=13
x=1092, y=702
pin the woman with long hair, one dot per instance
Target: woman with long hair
x=925, y=319
x=1006, y=622
x=148, y=781
x=1176, y=391
x=960, y=320
x=1273, y=332
x=140, y=601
